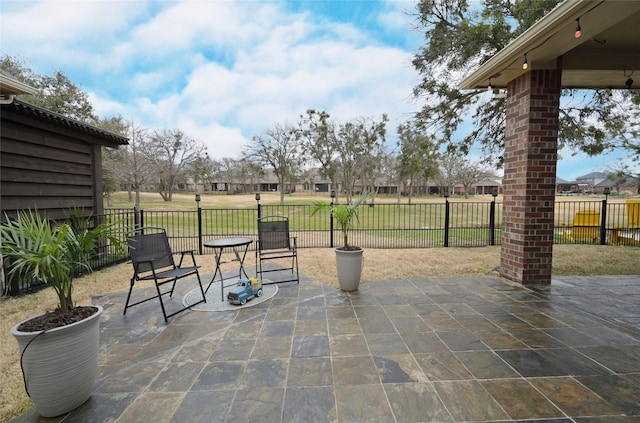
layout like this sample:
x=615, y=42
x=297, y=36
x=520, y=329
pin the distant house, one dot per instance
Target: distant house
x=47, y=161
x=586, y=183
x=597, y=183
x=625, y=185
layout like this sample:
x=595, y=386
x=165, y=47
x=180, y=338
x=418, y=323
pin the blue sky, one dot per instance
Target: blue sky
x=224, y=71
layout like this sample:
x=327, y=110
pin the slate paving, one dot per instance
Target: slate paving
x=425, y=350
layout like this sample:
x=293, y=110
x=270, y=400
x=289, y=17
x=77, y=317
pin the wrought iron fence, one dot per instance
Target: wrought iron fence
x=420, y=225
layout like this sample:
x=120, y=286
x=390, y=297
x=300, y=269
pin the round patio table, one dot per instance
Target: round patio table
x=236, y=245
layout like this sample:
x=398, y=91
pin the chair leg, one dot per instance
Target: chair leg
x=164, y=312
x=204, y=298
x=173, y=287
x=126, y=304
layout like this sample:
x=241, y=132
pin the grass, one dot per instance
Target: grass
x=578, y=260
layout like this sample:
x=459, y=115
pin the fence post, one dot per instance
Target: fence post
x=603, y=222
x=199, y=224
x=446, y=218
x=492, y=220
x=136, y=220
x=333, y=197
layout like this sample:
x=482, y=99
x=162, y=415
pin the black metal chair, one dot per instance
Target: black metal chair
x=275, y=242
x=152, y=260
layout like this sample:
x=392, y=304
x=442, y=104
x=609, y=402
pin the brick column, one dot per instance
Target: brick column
x=529, y=184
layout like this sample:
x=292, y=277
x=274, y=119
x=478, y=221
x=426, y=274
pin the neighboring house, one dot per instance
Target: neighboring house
x=596, y=183
x=628, y=185
x=48, y=162
x=566, y=187
x=587, y=182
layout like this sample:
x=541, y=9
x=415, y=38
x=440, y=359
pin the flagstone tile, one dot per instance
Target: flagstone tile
x=309, y=404
x=310, y=371
x=363, y=404
x=354, y=370
x=521, y=400
x=468, y=401
x=204, y=407
x=399, y=369
x=152, y=407
x=442, y=366
x=486, y=365
x=572, y=397
x=253, y=405
x=416, y=402
x=348, y=345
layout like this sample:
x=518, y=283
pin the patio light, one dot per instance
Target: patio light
x=198, y=200
x=525, y=64
x=257, y=196
x=578, y=29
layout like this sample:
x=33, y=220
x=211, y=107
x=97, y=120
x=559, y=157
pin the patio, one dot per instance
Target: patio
x=474, y=349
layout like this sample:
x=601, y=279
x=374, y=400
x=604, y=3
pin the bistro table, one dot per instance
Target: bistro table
x=235, y=244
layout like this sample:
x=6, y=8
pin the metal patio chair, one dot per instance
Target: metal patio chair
x=275, y=242
x=152, y=260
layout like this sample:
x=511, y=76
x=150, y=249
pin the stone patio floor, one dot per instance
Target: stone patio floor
x=425, y=350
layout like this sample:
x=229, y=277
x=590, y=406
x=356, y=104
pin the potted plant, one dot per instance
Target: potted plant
x=59, y=349
x=349, y=258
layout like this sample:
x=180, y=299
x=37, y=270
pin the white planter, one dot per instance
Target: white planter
x=60, y=365
x=349, y=265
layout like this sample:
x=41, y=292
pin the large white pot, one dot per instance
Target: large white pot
x=349, y=265
x=60, y=365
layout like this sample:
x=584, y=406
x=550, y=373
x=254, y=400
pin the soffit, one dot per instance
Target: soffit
x=606, y=54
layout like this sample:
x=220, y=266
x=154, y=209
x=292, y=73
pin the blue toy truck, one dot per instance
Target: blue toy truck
x=245, y=290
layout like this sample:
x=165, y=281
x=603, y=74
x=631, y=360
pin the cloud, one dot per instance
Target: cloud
x=222, y=71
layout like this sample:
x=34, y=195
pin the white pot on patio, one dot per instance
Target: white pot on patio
x=349, y=263
x=60, y=365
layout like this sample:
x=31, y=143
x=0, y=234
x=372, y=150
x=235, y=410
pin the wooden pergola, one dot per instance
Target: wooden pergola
x=580, y=44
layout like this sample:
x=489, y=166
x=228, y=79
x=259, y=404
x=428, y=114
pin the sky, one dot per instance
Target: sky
x=224, y=71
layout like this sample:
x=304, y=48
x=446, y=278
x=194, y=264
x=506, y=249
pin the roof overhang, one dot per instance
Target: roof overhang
x=605, y=56
x=11, y=87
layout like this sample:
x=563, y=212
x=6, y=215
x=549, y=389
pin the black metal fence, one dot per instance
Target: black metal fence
x=418, y=225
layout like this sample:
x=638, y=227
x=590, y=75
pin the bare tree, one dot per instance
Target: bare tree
x=279, y=149
x=373, y=153
x=470, y=172
x=199, y=169
x=418, y=156
x=229, y=171
x=173, y=152
x=132, y=163
x=447, y=173
x=318, y=137
x=358, y=146
x=250, y=172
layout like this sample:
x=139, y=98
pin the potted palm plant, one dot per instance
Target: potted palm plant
x=349, y=258
x=59, y=349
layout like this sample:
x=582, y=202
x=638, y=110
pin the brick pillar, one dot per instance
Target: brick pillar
x=529, y=185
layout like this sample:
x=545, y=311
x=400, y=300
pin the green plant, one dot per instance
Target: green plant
x=39, y=249
x=344, y=214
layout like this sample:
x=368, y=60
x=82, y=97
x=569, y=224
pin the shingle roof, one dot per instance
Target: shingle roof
x=44, y=115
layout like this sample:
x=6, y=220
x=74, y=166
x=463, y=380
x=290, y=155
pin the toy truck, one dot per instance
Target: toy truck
x=245, y=290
